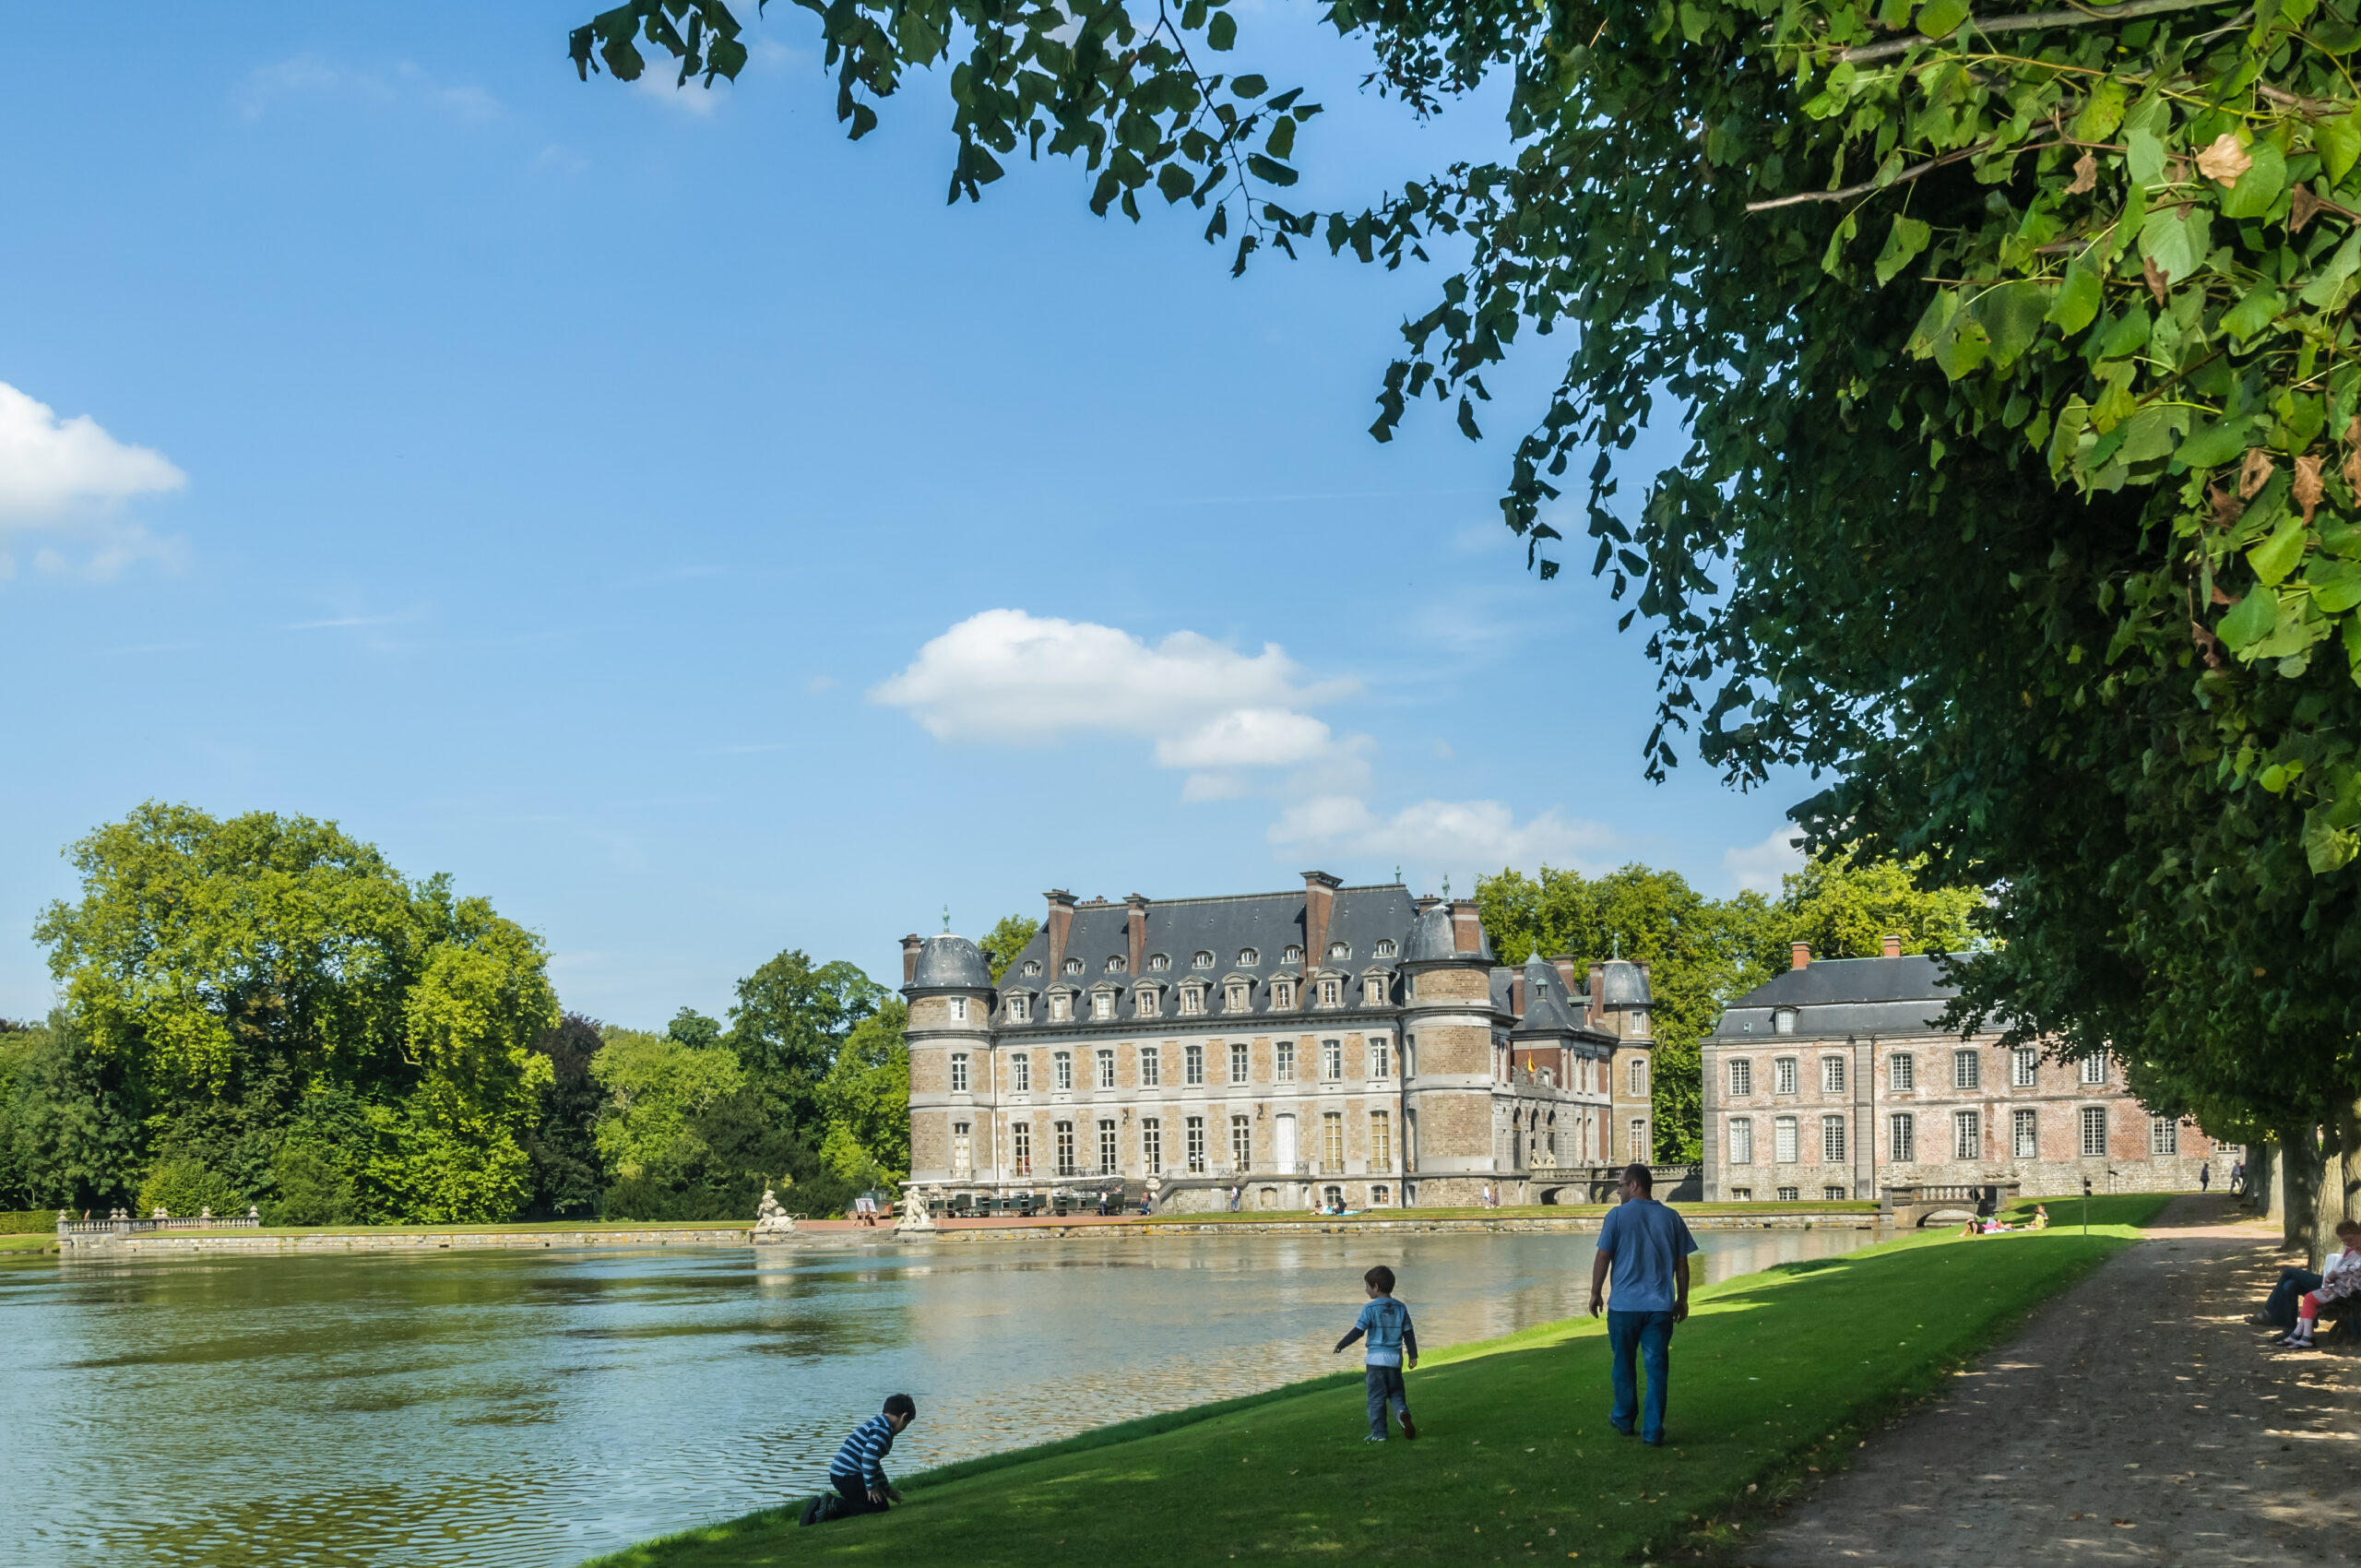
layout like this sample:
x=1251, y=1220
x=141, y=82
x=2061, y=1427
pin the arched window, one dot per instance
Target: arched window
x=1340, y=950
x=1294, y=954
x=1203, y=961
x=1032, y=965
x=1159, y=962
x=1074, y=966
x=1248, y=958
x=1383, y=949
x=1118, y=964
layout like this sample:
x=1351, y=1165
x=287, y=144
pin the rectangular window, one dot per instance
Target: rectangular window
x=1060, y=1007
x=1743, y=1195
x=2163, y=1136
x=1380, y=1059
x=1102, y=1004
x=1283, y=1062
x=1332, y=1144
x=1833, y=1195
x=1241, y=1144
x=1020, y=1073
x=1021, y=1147
x=1332, y=1059
x=1967, y=1134
x=1380, y=1141
x=1903, y=1131
x=1066, y=1166
x=1152, y=1145
x=1640, y=1150
x=1741, y=1079
x=2095, y=1132
x=1107, y=1166
x=1019, y=1009
x=1234, y=998
x=1106, y=1069
x=1151, y=1068
x=958, y=1009
x=958, y=1072
x=1238, y=1071
x=1783, y=1140
x=1639, y=1077
x=1831, y=1140
x=1742, y=1140
x=1192, y=1059
x=1902, y=1071
x=1783, y=1075
x=2024, y=1068
x=2094, y=1068
x=1832, y=1074
x=1967, y=1070
x=1790, y=1195
x=1373, y=992
x=1147, y=1003
x=1196, y=1130
x=1063, y=1062
x=1329, y=993
x=1282, y=993
x=1192, y=1000
x=963, y=1155
x=2024, y=1134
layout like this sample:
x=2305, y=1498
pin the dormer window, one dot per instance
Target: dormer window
x=1331, y=993
x=1234, y=996
x=1032, y=968
x=1294, y=954
x=1061, y=1008
x=1248, y=958
x=1192, y=1000
x=1020, y=1009
x=1283, y=993
x=1118, y=964
x=1373, y=992
x=1202, y=961
x=1144, y=1002
x=1074, y=966
x=1102, y=1004
x=1340, y=950
x=1159, y=962
x=1383, y=949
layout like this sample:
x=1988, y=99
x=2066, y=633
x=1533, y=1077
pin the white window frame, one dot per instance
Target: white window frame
x=1636, y=1074
x=2024, y=1068
x=1331, y=1061
x=1148, y=1003
x=1783, y=1140
x=1967, y=1134
x=1102, y=1006
x=1380, y=1141
x=1902, y=1071
x=1020, y=1009
x=963, y=1148
x=1061, y=1066
x=958, y=1072
x=1332, y=1143
x=1967, y=1068
x=1241, y=1144
x=1236, y=997
x=1742, y=1140
x=958, y=1009
x=1193, y=1000
x=1283, y=1062
x=1020, y=1073
x=1329, y=993
x=1020, y=1135
x=1380, y=1057
x=2090, y=1117
x=1151, y=1068
x=1152, y=1144
x=1784, y=1076
x=1902, y=1137
x=2164, y=1137
x=1742, y=1077
x=1372, y=991
x=1294, y=954
x=1060, y=1007
x=1643, y=1147
x=1831, y=1140
x=1832, y=1074
x=2025, y=1133
x=1067, y=1152
x=2094, y=1070
x=1791, y=1194
x=1200, y=962
x=1196, y=1148
x=1193, y=1066
x=1240, y=1063
x=1106, y=1064
x=1110, y=1158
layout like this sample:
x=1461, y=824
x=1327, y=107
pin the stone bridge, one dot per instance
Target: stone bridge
x=1920, y=1204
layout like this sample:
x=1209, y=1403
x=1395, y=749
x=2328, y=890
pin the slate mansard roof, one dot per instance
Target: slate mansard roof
x=1835, y=997
x=951, y=961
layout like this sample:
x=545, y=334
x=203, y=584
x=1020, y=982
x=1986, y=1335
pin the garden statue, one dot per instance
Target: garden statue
x=206, y=1213
x=916, y=1216
x=771, y=1221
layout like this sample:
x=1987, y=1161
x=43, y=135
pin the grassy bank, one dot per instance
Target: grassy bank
x=1524, y=1211
x=1775, y=1374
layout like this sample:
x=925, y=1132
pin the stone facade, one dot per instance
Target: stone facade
x=1349, y=1045
x=1831, y=1081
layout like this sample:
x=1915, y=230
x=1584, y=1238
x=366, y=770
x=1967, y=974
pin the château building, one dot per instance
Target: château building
x=1831, y=1080
x=1331, y=1044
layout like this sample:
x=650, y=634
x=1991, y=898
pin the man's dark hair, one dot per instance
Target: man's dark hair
x=1382, y=1277
x=1639, y=1176
x=901, y=1405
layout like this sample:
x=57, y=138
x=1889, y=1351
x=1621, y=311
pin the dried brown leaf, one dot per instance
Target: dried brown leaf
x=2301, y=205
x=2225, y=161
x=2227, y=509
x=2086, y=175
x=2156, y=284
x=2210, y=646
x=2256, y=473
x=2353, y=432
x=2308, y=486
x=2352, y=470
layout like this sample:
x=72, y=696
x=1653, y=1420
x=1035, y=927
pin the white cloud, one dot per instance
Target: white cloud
x=1759, y=866
x=49, y=467
x=1475, y=834
x=1247, y=737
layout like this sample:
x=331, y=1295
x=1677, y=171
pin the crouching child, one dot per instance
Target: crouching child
x=1386, y=1322
x=858, y=1472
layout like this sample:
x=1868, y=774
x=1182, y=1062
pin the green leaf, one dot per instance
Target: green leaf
x=1249, y=87
x=1893, y=14
x=1174, y=182
x=1268, y=169
x=2279, y=555
x=2214, y=445
x=2175, y=242
x=1940, y=307
x=2326, y=847
x=1281, y=141
x=2339, y=140
x=1903, y=242
x=2011, y=315
x=2148, y=435
x=2077, y=302
x=2250, y=620
x=1221, y=32
x=2102, y=112
x=2258, y=186
x=2146, y=158
x=1938, y=17
x=2336, y=585
x=2329, y=279
x=1964, y=347
x=2257, y=311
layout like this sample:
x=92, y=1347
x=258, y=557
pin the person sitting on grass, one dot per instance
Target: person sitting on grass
x=858, y=1472
x=1387, y=1324
x=2040, y=1216
x=2340, y=1281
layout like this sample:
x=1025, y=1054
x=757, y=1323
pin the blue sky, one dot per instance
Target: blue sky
x=685, y=529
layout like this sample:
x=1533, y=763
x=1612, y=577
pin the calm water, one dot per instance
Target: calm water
x=537, y=1407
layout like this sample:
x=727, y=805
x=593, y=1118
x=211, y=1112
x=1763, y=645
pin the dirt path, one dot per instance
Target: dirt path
x=2139, y=1420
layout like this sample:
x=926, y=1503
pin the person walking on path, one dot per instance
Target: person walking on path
x=1646, y=1248
x=2237, y=1178
x=1391, y=1337
x=2205, y=1177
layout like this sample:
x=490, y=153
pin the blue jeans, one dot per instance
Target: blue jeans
x=2292, y=1282
x=1649, y=1336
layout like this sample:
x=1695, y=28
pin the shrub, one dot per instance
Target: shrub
x=313, y=1188
x=28, y=1222
x=182, y=1185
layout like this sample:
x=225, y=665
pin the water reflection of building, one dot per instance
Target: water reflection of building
x=1333, y=1043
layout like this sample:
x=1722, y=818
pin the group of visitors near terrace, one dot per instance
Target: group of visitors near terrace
x=1642, y=1257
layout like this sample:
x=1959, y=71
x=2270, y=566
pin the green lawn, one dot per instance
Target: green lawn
x=1775, y=1375
x=1522, y=1211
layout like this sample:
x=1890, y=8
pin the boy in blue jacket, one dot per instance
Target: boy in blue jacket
x=858, y=1472
x=1386, y=1322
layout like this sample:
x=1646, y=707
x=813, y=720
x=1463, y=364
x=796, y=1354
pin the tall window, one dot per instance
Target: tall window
x=958, y=1009
x=2095, y=1132
x=1741, y=1078
x=1020, y=1009
x=1020, y=1073
x=1102, y=1004
x=1967, y=1070
x=2094, y=1068
x=1283, y=993
x=1329, y=993
x=2024, y=1134
x=1106, y=1069
x=1380, y=1141
x=1151, y=1068
x=1967, y=1134
x=1238, y=1069
x=1064, y=1062
x=1192, y=1000
x=1021, y=1147
x=1283, y=1062
x=1373, y=992
x=1783, y=1140
x=963, y=1155
x=1638, y=1077
x=1192, y=1061
x=1152, y=1144
x=1903, y=1130
x=1832, y=1074
x=1783, y=1075
x=1640, y=1149
x=1107, y=1166
x=1831, y=1140
x=1902, y=1071
x=1196, y=1131
x=1065, y=1149
x=1332, y=1144
x=1234, y=996
x=1380, y=1059
x=1332, y=1059
x=1060, y=1007
x=2024, y=1068
x=1241, y=1144
x=2163, y=1136
x=958, y=1072
x=1742, y=1140
x=1148, y=1002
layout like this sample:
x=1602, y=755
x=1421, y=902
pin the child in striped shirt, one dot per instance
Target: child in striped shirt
x=858, y=1472
x=1387, y=1324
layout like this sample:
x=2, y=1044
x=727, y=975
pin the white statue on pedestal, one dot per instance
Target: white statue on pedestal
x=916, y=1216
x=771, y=1221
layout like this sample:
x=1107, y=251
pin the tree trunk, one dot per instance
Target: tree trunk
x=2328, y=1200
x=2263, y=1165
x=2344, y=1172
x=2299, y=1179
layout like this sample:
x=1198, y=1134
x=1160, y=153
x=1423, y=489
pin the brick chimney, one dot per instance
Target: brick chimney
x=1800, y=954
x=910, y=945
x=1595, y=1013
x=1135, y=919
x=1319, y=903
x=1466, y=927
x=1061, y=922
x=1516, y=990
x=1565, y=966
x=1893, y=945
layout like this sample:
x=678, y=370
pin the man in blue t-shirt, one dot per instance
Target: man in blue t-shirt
x=1647, y=1246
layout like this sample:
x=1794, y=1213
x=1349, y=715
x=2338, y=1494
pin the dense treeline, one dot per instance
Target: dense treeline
x=262, y=1011
x=1702, y=952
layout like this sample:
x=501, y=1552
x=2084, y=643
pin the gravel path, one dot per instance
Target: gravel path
x=2139, y=1420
